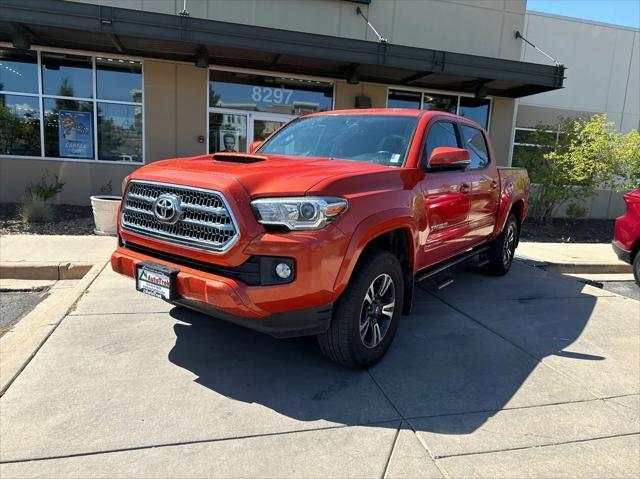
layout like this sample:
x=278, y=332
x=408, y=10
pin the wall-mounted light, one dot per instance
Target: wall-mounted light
x=202, y=58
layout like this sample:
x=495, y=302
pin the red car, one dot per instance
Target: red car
x=626, y=242
x=325, y=227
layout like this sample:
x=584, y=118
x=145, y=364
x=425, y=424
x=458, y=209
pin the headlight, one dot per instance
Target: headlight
x=300, y=213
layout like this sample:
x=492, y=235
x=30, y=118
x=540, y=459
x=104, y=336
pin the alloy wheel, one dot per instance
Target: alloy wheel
x=509, y=246
x=377, y=310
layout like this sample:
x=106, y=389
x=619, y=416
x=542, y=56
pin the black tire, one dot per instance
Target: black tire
x=343, y=342
x=502, y=249
x=636, y=268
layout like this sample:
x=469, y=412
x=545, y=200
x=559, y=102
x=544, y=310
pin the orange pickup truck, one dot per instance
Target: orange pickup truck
x=324, y=228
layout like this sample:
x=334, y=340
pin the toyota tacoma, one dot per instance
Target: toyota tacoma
x=325, y=227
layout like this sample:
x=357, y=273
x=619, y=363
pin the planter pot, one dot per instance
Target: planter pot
x=105, y=214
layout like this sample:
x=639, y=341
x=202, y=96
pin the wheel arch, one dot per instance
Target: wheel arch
x=397, y=236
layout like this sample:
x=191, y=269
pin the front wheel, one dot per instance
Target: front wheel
x=503, y=248
x=367, y=314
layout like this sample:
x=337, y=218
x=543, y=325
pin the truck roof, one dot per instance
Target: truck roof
x=396, y=111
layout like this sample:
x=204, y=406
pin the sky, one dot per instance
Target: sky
x=618, y=12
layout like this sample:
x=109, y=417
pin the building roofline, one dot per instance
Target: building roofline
x=581, y=20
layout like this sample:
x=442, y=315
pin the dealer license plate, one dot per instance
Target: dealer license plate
x=157, y=280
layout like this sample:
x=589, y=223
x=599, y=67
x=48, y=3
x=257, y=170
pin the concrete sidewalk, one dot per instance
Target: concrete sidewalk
x=528, y=375
x=587, y=258
x=49, y=257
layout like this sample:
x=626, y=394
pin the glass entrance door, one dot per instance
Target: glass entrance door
x=265, y=124
x=235, y=130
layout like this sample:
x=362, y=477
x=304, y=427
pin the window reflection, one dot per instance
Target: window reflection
x=118, y=79
x=67, y=75
x=403, y=99
x=448, y=103
x=476, y=109
x=119, y=132
x=19, y=125
x=18, y=71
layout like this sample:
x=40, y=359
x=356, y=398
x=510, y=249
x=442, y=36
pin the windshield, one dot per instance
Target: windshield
x=381, y=139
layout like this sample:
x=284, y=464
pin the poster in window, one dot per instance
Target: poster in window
x=75, y=134
x=229, y=141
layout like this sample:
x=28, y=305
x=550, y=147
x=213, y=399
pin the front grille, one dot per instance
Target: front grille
x=206, y=221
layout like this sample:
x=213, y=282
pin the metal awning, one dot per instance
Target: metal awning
x=83, y=26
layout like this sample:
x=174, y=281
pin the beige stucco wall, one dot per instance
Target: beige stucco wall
x=479, y=27
x=501, y=128
x=175, y=114
x=345, y=94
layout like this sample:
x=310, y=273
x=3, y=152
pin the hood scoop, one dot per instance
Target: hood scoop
x=238, y=157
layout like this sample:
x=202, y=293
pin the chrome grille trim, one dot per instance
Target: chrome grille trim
x=207, y=221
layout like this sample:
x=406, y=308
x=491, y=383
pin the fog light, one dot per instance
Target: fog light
x=283, y=270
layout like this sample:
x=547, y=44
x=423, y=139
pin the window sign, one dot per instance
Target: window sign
x=75, y=135
x=268, y=94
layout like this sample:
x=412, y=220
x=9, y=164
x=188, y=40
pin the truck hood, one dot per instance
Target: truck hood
x=259, y=175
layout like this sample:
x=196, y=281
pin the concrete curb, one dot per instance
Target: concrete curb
x=44, y=271
x=579, y=268
x=20, y=344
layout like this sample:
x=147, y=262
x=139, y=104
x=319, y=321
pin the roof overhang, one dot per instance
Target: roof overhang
x=83, y=26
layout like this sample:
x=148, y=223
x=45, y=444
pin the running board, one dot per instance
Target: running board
x=439, y=268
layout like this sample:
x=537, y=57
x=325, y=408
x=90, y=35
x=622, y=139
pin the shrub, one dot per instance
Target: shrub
x=45, y=189
x=576, y=211
x=35, y=209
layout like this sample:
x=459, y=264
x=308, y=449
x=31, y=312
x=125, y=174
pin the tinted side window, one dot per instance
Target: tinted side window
x=477, y=147
x=441, y=133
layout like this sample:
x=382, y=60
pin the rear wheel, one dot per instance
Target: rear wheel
x=503, y=248
x=367, y=314
x=636, y=268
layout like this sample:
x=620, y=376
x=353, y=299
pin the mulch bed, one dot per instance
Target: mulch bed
x=78, y=220
x=69, y=220
x=568, y=231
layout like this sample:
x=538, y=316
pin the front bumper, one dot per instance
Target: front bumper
x=298, y=308
x=621, y=253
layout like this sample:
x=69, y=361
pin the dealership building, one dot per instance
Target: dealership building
x=91, y=90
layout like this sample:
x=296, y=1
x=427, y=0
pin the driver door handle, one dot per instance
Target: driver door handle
x=465, y=188
x=494, y=184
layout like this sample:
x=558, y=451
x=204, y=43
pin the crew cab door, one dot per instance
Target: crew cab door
x=446, y=199
x=482, y=176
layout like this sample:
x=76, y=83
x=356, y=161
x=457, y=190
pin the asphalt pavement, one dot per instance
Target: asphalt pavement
x=14, y=305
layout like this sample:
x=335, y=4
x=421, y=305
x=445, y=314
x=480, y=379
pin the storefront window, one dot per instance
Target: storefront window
x=67, y=75
x=476, y=109
x=18, y=71
x=404, y=99
x=19, y=125
x=119, y=132
x=68, y=128
x=119, y=80
x=280, y=95
x=64, y=112
x=448, y=103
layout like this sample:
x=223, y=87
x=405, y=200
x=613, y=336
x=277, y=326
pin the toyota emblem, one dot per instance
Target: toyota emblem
x=167, y=208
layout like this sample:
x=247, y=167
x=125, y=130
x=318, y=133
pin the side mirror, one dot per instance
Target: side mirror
x=447, y=158
x=254, y=146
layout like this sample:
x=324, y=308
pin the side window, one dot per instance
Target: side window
x=475, y=144
x=441, y=133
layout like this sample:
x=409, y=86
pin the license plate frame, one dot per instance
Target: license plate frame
x=157, y=280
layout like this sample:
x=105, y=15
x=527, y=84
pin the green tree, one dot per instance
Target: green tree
x=586, y=154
